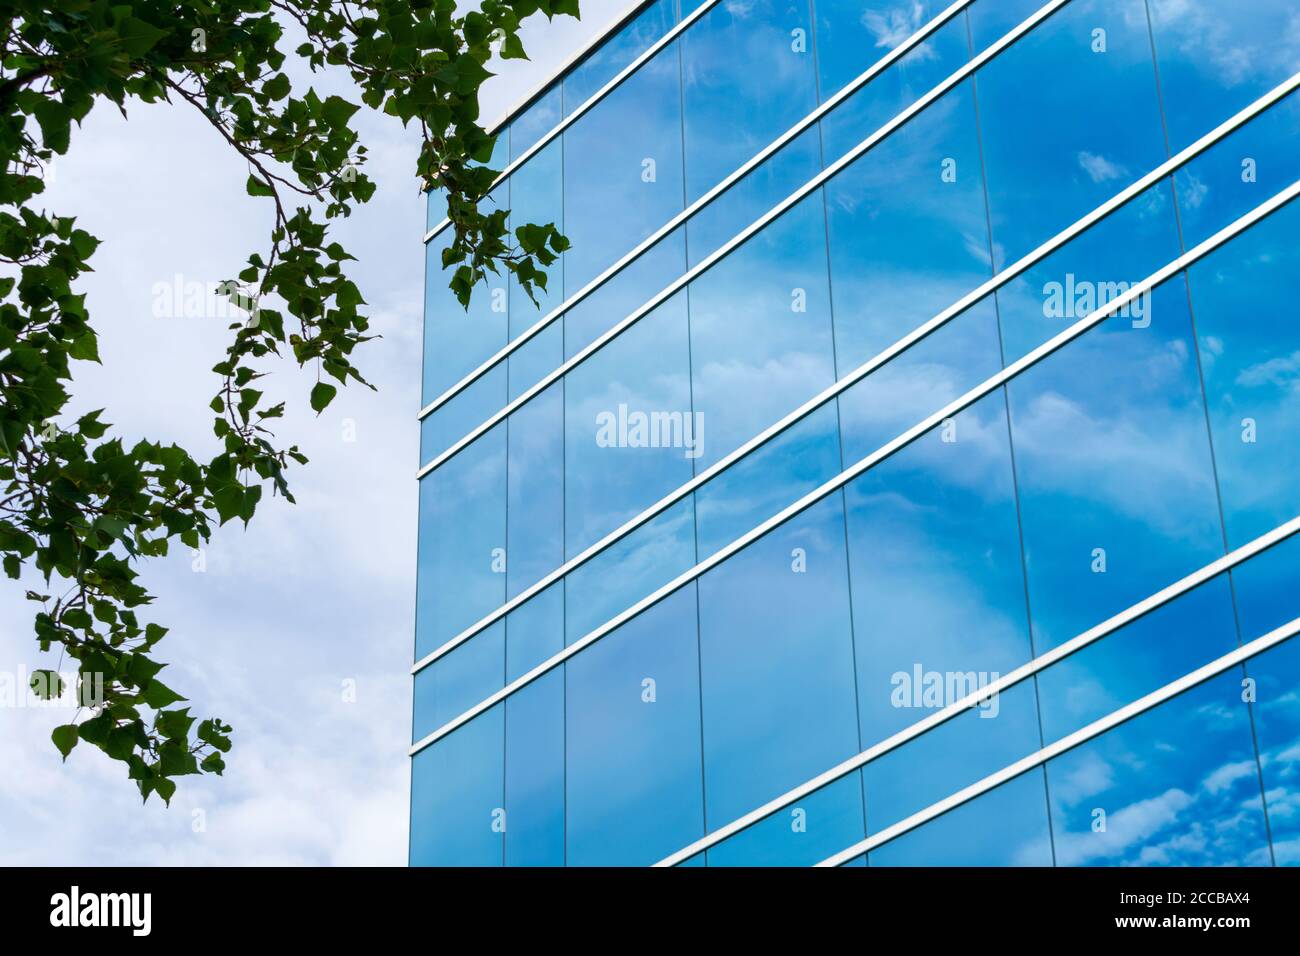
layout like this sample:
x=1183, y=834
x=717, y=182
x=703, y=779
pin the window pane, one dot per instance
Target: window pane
x=1116, y=484
x=1176, y=786
x=1004, y=827
x=615, y=461
x=460, y=575
x=633, y=784
x=625, y=154
x=802, y=834
x=1216, y=57
x=535, y=525
x=458, y=680
x=776, y=658
x=908, y=229
x=761, y=338
x=1055, y=150
x=733, y=113
x=938, y=587
x=535, y=122
x=534, y=773
x=456, y=797
x=1244, y=297
x=615, y=53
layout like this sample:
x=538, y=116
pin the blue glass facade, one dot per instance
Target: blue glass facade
x=892, y=473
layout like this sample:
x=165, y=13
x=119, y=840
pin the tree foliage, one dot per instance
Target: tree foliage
x=84, y=507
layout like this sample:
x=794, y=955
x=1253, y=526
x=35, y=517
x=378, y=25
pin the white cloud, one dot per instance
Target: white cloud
x=1099, y=168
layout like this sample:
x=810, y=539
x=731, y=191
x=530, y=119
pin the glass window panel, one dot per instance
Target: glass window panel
x=636, y=565
x=1138, y=659
x=535, y=490
x=462, y=413
x=1267, y=588
x=938, y=586
x=626, y=155
x=918, y=382
x=626, y=292
x=535, y=631
x=1099, y=265
x=1268, y=596
x=460, y=574
x=634, y=787
x=458, y=680
x=1277, y=726
x=1244, y=296
x=953, y=755
x=536, y=121
x=752, y=196
x=1053, y=151
x=852, y=35
x=623, y=407
x=1176, y=786
x=615, y=53
x=894, y=89
x=456, y=796
x=776, y=649
x=1004, y=827
x=435, y=208
x=731, y=114
x=534, y=773
x=1112, y=456
x=535, y=359
x=1216, y=57
x=993, y=19
x=761, y=338
x=768, y=479
x=536, y=198
x=908, y=229
x=457, y=341
x=1240, y=171
x=805, y=833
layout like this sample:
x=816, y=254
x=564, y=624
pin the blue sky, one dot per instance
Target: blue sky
x=297, y=631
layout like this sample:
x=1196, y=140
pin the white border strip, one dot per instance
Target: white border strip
x=1097, y=727
x=922, y=331
x=595, y=98
x=870, y=73
x=1094, y=318
x=1004, y=683
x=757, y=225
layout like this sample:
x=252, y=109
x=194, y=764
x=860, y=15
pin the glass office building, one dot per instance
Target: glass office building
x=900, y=467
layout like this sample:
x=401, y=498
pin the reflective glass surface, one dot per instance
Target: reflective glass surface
x=1136, y=454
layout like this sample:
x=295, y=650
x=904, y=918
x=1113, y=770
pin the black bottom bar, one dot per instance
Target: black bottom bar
x=438, y=907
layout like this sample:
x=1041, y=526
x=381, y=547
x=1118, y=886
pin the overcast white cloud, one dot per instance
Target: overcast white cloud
x=312, y=600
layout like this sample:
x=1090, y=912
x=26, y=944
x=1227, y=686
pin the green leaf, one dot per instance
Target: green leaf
x=175, y=724
x=337, y=111
x=137, y=36
x=277, y=87
x=65, y=738
x=513, y=48
x=158, y=695
x=257, y=187
x=213, y=763
x=322, y=393
x=46, y=684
